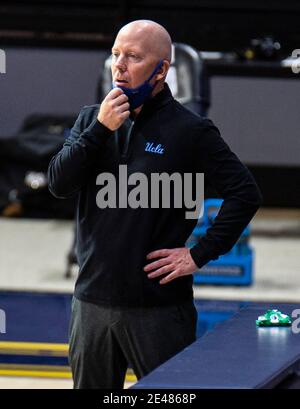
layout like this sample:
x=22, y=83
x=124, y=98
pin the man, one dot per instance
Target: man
x=133, y=300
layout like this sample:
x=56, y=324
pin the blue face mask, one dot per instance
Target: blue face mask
x=137, y=96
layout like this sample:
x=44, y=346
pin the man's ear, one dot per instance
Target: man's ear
x=163, y=71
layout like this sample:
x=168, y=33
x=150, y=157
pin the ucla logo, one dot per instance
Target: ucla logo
x=151, y=147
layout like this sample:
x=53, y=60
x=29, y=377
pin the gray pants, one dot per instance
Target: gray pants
x=104, y=341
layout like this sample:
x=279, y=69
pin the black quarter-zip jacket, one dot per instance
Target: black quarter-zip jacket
x=112, y=243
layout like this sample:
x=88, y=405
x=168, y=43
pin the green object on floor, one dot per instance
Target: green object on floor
x=273, y=318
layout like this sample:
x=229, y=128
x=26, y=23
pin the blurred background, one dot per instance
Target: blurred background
x=235, y=62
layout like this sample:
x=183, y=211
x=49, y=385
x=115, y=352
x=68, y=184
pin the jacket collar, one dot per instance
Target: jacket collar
x=153, y=104
x=161, y=98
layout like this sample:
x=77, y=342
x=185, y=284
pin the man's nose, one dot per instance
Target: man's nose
x=120, y=64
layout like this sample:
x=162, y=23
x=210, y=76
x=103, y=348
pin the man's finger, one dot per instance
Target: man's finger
x=119, y=100
x=156, y=264
x=161, y=271
x=114, y=93
x=124, y=107
x=159, y=253
x=169, y=277
x=125, y=115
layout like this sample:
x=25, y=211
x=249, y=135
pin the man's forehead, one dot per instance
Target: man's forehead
x=128, y=45
x=134, y=40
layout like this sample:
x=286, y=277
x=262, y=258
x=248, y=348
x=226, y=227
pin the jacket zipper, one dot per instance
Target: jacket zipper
x=127, y=141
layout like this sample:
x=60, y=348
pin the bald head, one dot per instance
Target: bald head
x=153, y=37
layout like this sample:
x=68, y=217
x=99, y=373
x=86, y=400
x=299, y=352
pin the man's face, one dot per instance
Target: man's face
x=132, y=59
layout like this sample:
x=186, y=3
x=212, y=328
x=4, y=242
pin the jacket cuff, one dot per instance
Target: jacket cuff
x=200, y=256
x=96, y=132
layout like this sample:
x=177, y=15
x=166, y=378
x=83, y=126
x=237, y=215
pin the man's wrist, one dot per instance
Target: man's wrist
x=101, y=122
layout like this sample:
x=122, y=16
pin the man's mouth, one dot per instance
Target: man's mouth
x=120, y=82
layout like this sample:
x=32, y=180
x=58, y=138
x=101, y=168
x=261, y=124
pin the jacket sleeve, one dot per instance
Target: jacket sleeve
x=69, y=168
x=235, y=184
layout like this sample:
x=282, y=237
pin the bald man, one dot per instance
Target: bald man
x=133, y=300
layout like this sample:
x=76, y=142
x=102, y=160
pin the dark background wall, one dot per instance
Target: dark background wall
x=37, y=80
x=259, y=118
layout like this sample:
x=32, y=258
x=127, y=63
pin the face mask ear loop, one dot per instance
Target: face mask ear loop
x=159, y=65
